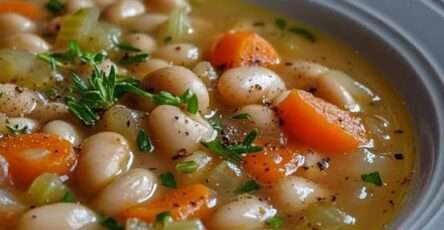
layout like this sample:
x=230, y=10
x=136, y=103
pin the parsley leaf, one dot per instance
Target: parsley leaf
x=168, y=180
x=303, y=33
x=69, y=197
x=127, y=47
x=164, y=217
x=242, y=116
x=144, y=142
x=275, y=222
x=16, y=129
x=248, y=187
x=187, y=167
x=133, y=59
x=281, y=23
x=216, y=122
x=167, y=39
x=111, y=224
x=55, y=6
x=373, y=178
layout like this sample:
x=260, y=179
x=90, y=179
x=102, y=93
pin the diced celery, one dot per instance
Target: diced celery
x=25, y=69
x=225, y=178
x=177, y=28
x=326, y=217
x=136, y=224
x=184, y=225
x=101, y=38
x=76, y=26
x=47, y=188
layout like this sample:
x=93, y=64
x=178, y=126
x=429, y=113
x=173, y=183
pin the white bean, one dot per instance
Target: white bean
x=146, y=23
x=332, y=91
x=65, y=130
x=140, y=70
x=103, y=157
x=249, y=85
x=293, y=194
x=123, y=120
x=124, y=9
x=248, y=212
x=11, y=23
x=72, y=6
x=44, y=112
x=206, y=72
x=132, y=188
x=177, y=80
x=16, y=101
x=183, y=133
x=166, y=6
x=66, y=216
x=54, y=25
x=179, y=54
x=261, y=117
x=300, y=74
x=25, y=42
x=104, y=3
x=141, y=41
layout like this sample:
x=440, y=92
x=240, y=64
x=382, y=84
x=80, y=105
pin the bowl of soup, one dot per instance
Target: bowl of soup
x=205, y=114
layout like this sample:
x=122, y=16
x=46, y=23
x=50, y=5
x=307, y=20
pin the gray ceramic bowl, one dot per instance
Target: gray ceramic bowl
x=405, y=39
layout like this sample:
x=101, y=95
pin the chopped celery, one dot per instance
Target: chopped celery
x=136, y=224
x=102, y=37
x=225, y=178
x=25, y=69
x=184, y=225
x=177, y=28
x=76, y=26
x=47, y=188
x=326, y=217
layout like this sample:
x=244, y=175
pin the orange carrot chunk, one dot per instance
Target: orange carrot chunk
x=273, y=163
x=319, y=124
x=31, y=155
x=243, y=49
x=193, y=201
x=26, y=9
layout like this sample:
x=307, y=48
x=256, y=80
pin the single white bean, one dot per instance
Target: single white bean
x=72, y=6
x=332, y=91
x=146, y=23
x=183, y=133
x=123, y=120
x=132, y=188
x=261, y=117
x=141, y=41
x=45, y=111
x=247, y=212
x=300, y=74
x=179, y=54
x=11, y=23
x=16, y=101
x=140, y=70
x=177, y=80
x=206, y=72
x=65, y=130
x=25, y=42
x=103, y=157
x=66, y=216
x=123, y=9
x=249, y=85
x=166, y=6
x=293, y=194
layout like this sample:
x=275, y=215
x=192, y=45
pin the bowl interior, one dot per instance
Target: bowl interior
x=410, y=74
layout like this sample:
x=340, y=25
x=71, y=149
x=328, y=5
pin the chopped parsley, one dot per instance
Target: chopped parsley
x=69, y=197
x=242, y=116
x=275, y=222
x=187, y=167
x=167, y=39
x=164, y=217
x=281, y=23
x=144, y=142
x=372, y=178
x=248, y=187
x=168, y=180
x=127, y=47
x=133, y=59
x=16, y=129
x=111, y=224
x=216, y=122
x=55, y=6
x=303, y=33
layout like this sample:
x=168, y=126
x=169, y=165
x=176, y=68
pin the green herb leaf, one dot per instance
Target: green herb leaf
x=303, y=33
x=167, y=39
x=190, y=100
x=55, y=6
x=16, y=129
x=144, y=142
x=52, y=61
x=275, y=222
x=249, y=187
x=127, y=47
x=216, y=122
x=281, y=23
x=134, y=59
x=242, y=116
x=187, y=167
x=249, y=139
x=164, y=217
x=373, y=178
x=69, y=197
x=111, y=224
x=168, y=180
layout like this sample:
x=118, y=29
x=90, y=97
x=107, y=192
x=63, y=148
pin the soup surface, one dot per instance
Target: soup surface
x=207, y=114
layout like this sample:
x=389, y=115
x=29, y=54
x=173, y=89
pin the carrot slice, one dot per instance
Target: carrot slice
x=273, y=163
x=193, y=201
x=243, y=49
x=319, y=124
x=31, y=155
x=26, y=9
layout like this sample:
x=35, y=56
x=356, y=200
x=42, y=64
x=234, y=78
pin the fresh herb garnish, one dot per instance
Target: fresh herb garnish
x=168, y=180
x=248, y=187
x=187, y=167
x=233, y=152
x=303, y=33
x=55, y=6
x=281, y=23
x=373, y=178
x=69, y=197
x=127, y=47
x=52, y=61
x=111, y=224
x=16, y=129
x=216, y=122
x=164, y=217
x=188, y=100
x=144, y=142
x=167, y=39
x=275, y=222
x=242, y=116
x=133, y=59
